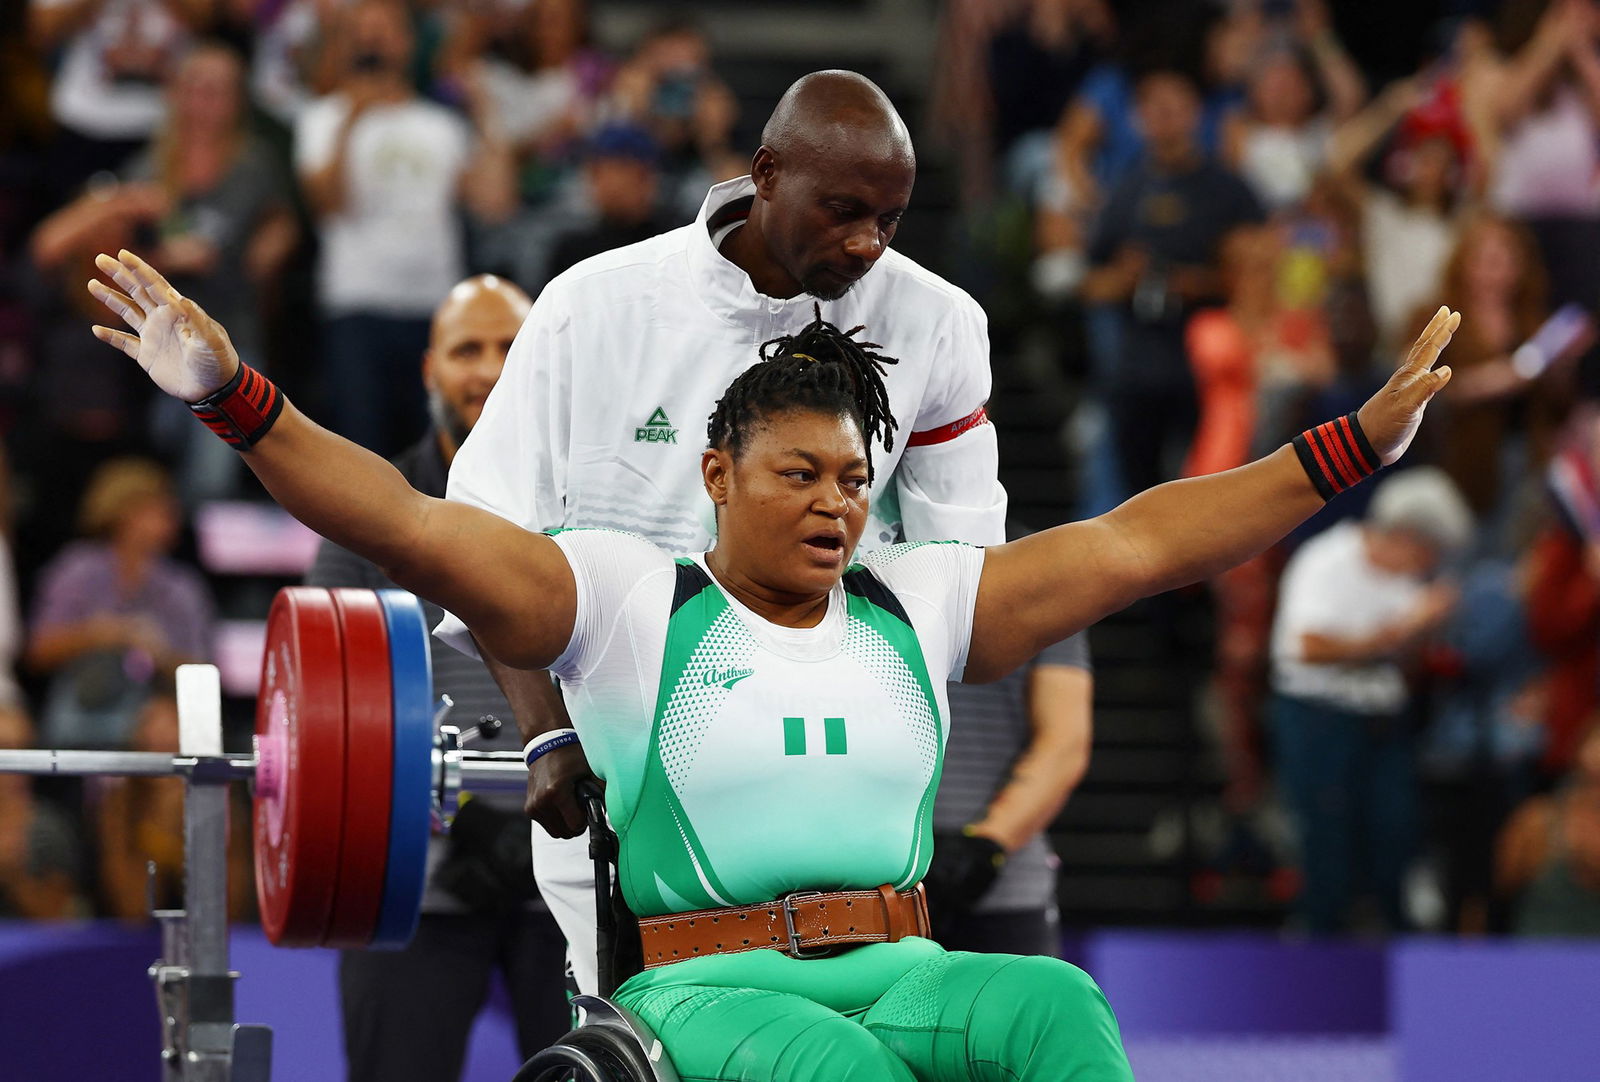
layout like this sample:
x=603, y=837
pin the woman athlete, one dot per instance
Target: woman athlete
x=769, y=717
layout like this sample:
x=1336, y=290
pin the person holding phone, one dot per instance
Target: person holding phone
x=383, y=172
x=1513, y=394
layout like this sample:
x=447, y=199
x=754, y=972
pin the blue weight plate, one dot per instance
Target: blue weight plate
x=411, y=806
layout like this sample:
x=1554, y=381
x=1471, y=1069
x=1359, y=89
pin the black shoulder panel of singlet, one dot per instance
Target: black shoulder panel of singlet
x=863, y=583
x=691, y=580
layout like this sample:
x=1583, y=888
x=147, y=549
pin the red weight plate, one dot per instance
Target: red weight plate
x=368, y=769
x=300, y=772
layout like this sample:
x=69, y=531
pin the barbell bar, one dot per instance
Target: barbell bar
x=459, y=768
x=350, y=771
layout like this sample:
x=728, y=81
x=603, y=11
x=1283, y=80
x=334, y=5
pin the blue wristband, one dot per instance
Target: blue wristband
x=545, y=743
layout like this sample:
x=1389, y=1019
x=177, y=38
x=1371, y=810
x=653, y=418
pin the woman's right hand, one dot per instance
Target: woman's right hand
x=184, y=351
x=552, y=799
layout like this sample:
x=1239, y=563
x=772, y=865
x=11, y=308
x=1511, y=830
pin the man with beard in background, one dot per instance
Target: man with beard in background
x=407, y=1014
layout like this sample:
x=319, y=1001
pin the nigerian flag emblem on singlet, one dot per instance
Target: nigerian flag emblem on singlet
x=772, y=771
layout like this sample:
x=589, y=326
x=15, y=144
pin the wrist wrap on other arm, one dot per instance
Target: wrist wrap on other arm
x=241, y=410
x=1336, y=455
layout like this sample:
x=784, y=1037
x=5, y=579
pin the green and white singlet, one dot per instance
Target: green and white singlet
x=774, y=759
x=744, y=760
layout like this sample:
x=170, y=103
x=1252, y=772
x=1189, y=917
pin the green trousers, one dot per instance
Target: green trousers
x=949, y=1017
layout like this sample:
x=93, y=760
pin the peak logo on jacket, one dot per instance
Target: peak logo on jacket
x=656, y=430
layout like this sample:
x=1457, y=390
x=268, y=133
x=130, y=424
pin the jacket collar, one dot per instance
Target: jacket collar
x=719, y=283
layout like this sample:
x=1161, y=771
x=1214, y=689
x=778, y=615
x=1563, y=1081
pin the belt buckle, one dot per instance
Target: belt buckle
x=795, y=950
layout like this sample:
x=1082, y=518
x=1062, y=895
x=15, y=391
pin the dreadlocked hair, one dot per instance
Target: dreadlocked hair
x=823, y=369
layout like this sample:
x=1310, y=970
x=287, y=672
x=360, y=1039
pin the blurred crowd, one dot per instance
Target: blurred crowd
x=317, y=174
x=1224, y=224
x=1234, y=233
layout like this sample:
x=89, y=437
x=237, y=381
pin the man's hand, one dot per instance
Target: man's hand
x=188, y=254
x=963, y=868
x=1390, y=417
x=1116, y=280
x=184, y=351
x=1438, y=601
x=139, y=201
x=1435, y=605
x=552, y=800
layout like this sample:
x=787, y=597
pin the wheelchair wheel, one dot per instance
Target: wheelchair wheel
x=589, y=1054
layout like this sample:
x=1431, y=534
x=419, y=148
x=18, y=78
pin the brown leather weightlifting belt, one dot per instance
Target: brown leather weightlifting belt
x=804, y=924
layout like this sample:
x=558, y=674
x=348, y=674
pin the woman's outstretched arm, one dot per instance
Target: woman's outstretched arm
x=1044, y=587
x=513, y=588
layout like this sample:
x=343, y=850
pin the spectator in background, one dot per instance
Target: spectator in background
x=229, y=225
x=382, y=171
x=213, y=202
x=542, y=77
x=1546, y=161
x=668, y=88
x=1004, y=74
x=229, y=230
x=1549, y=854
x=1497, y=429
x=82, y=411
x=115, y=613
x=1099, y=138
x=288, y=38
x=106, y=95
x=622, y=176
x=408, y=1013
x=1101, y=135
x=1018, y=747
x=1298, y=90
x=1563, y=597
x=1256, y=359
x=139, y=822
x=1035, y=66
x=544, y=85
x=1155, y=258
x=1408, y=224
x=41, y=859
x=1485, y=703
x=1353, y=604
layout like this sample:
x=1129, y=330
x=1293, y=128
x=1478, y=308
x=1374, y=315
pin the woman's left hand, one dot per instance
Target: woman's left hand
x=1390, y=417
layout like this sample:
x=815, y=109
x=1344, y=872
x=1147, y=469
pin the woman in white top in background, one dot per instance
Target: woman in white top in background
x=1298, y=91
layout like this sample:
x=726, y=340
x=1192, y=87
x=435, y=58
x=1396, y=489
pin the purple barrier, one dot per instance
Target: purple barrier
x=296, y=992
x=1165, y=984
x=1340, y=1058
x=1479, y=1011
x=75, y=1003
x=78, y=1004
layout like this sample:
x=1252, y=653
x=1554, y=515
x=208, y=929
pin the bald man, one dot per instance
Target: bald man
x=600, y=417
x=407, y=1013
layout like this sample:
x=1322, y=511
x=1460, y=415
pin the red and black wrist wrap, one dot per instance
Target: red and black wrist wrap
x=1336, y=455
x=241, y=410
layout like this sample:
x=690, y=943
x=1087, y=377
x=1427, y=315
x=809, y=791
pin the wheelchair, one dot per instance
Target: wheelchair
x=611, y=1043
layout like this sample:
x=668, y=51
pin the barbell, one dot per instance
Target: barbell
x=349, y=771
